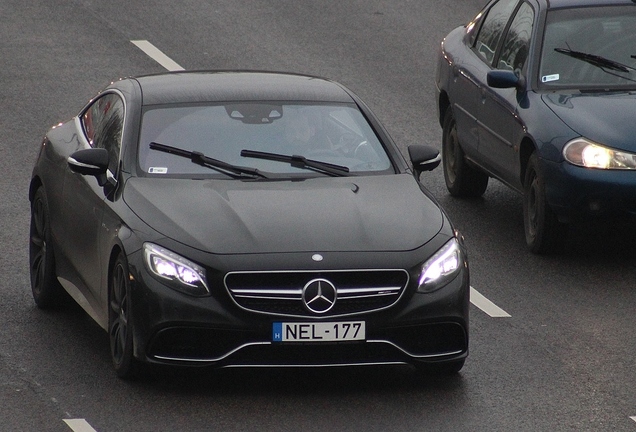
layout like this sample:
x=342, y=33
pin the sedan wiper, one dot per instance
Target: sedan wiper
x=299, y=162
x=199, y=158
x=595, y=60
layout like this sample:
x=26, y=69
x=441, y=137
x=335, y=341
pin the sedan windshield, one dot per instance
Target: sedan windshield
x=338, y=135
x=589, y=48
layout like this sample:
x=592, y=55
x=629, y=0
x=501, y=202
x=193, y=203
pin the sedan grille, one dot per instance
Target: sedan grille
x=343, y=292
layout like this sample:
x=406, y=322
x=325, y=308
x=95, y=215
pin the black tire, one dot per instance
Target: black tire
x=441, y=369
x=462, y=180
x=47, y=291
x=544, y=233
x=120, y=323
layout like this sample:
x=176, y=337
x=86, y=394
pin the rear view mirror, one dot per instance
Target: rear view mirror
x=504, y=79
x=93, y=161
x=424, y=158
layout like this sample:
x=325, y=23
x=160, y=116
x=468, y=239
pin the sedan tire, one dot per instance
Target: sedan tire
x=47, y=291
x=462, y=180
x=544, y=233
x=120, y=324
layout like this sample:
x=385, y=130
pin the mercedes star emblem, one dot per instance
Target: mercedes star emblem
x=319, y=295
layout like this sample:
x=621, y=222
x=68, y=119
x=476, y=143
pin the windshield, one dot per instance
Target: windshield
x=590, y=47
x=335, y=134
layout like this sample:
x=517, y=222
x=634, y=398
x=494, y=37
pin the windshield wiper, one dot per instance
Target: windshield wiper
x=595, y=60
x=299, y=162
x=199, y=158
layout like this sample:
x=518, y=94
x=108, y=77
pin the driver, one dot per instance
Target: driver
x=302, y=133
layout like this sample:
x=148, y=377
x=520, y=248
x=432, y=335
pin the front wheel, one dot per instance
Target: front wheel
x=47, y=291
x=544, y=233
x=120, y=323
x=462, y=180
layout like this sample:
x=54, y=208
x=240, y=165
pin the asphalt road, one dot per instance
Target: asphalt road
x=563, y=360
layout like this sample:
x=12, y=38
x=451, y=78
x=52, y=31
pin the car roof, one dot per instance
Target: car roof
x=554, y=4
x=226, y=86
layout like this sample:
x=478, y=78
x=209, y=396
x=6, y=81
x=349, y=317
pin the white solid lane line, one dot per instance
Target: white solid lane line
x=154, y=53
x=486, y=305
x=79, y=425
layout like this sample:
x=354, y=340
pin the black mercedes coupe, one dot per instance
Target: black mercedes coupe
x=246, y=219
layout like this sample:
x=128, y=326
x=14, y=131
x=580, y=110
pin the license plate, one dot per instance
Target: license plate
x=318, y=332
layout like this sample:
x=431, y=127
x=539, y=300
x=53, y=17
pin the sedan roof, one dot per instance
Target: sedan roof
x=553, y=4
x=226, y=86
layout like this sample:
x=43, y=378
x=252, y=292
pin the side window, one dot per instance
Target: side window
x=493, y=28
x=103, y=123
x=517, y=42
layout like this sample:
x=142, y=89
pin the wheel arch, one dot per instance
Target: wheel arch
x=526, y=148
x=443, y=103
x=114, y=253
x=36, y=183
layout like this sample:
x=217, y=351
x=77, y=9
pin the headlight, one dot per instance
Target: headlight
x=588, y=154
x=441, y=268
x=177, y=272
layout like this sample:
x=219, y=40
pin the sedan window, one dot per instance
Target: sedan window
x=493, y=28
x=516, y=44
x=103, y=123
x=570, y=58
x=333, y=134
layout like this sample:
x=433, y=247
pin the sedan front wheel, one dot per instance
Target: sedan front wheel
x=120, y=323
x=544, y=233
x=47, y=291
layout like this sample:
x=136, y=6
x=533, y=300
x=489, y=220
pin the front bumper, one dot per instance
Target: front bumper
x=173, y=328
x=576, y=193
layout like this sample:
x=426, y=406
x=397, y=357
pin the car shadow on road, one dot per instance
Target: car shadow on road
x=291, y=381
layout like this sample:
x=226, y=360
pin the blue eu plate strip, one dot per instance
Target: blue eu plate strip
x=277, y=332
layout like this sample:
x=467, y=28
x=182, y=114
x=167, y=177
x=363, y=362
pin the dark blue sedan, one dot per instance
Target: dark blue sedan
x=541, y=95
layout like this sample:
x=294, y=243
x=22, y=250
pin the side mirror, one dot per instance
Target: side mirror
x=505, y=79
x=424, y=158
x=93, y=161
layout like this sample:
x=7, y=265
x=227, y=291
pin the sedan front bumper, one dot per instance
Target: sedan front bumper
x=174, y=328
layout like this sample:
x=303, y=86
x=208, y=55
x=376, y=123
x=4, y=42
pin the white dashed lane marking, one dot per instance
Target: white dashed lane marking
x=488, y=307
x=79, y=425
x=154, y=53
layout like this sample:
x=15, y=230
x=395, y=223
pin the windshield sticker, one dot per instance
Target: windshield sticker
x=549, y=78
x=157, y=170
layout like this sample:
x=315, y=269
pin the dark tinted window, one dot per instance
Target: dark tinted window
x=103, y=123
x=493, y=27
x=338, y=134
x=515, y=47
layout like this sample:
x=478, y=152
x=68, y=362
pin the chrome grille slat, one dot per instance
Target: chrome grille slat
x=280, y=293
x=296, y=292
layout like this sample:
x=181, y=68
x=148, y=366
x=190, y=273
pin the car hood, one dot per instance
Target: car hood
x=375, y=213
x=607, y=118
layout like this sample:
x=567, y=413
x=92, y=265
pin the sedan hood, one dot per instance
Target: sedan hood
x=376, y=213
x=607, y=118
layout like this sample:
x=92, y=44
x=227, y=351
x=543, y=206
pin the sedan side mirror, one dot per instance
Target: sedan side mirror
x=93, y=161
x=424, y=158
x=505, y=79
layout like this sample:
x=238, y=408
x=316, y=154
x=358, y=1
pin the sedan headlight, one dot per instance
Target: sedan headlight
x=588, y=154
x=177, y=272
x=441, y=268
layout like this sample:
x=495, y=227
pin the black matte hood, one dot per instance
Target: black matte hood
x=375, y=213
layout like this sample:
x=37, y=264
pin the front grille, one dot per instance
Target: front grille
x=281, y=293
